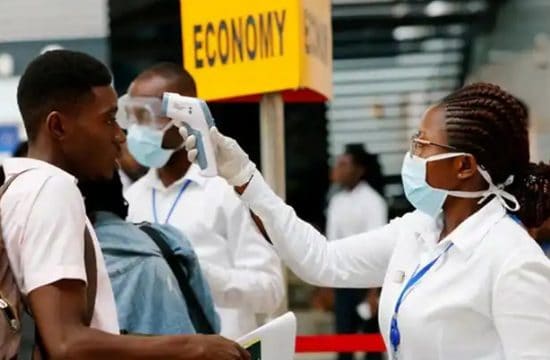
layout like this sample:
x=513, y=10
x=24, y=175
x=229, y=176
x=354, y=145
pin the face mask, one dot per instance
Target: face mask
x=430, y=200
x=145, y=145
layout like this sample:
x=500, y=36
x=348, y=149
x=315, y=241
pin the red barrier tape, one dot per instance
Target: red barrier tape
x=340, y=343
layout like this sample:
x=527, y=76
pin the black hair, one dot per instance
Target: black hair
x=57, y=80
x=373, y=171
x=492, y=125
x=104, y=195
x=174, y=72
x=21, y=149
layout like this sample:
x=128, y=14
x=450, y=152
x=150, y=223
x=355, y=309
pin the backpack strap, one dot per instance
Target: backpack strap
x=8, y=182
x=196, y=312
x=10, y=313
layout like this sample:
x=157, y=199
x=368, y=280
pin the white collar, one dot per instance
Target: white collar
x=193, y=174
x=469, y=233
x=359, y=187
x=14, y=166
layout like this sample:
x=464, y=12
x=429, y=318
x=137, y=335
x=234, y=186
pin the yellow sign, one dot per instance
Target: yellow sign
x=249, y=47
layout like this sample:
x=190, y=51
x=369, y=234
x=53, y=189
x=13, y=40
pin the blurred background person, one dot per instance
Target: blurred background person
x=244, y=273
x=151, y=297
x=360, y=203
x=358, y=207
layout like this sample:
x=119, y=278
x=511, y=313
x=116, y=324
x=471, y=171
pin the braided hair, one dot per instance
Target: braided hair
x=492, y=125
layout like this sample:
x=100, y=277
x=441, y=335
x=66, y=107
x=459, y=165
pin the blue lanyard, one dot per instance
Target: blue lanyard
x=516, y=219
x=182, y=190
x=395, y=335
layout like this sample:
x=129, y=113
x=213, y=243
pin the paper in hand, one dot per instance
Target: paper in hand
x=272, y=341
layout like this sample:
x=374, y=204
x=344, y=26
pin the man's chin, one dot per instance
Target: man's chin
x=105, y=175
x=136, y=174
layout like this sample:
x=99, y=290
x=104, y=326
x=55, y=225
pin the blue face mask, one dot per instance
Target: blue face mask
x=145, y=145
x=430, y=200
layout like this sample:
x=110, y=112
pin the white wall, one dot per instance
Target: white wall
x=27, y=27
x=24, y=20
x=517, y=56
x=523, y=77
x=9, y=113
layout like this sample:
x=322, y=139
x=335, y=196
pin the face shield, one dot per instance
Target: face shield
x=146, y=128
x=142, y=111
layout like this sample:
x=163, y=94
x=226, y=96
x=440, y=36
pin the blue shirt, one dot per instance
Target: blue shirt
x=148, y=298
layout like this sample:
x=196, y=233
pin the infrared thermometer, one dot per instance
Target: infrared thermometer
x=194, y=115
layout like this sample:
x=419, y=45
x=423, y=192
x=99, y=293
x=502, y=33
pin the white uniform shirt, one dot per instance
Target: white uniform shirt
x=243, y=271
x=355, y=211
x=487, y=298
x=43, y=221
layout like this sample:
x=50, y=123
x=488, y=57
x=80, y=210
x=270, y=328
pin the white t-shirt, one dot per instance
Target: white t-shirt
x=243, y=271
x=43, y=222
x=355, y=211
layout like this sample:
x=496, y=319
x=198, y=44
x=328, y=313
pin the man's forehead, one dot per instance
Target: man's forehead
x=155, y=86
x=104, y=96
x=152, y=86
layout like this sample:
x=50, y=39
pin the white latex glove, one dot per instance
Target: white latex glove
x=232, y=162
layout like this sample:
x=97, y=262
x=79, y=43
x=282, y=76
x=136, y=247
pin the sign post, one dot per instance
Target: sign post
x=272, y=139
x=267, y=51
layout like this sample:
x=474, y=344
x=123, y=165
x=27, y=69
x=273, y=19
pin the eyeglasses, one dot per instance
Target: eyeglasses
x=417, y=144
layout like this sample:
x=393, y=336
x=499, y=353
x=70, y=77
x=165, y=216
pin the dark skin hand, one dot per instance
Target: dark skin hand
x=457, y=173
x=59, y=311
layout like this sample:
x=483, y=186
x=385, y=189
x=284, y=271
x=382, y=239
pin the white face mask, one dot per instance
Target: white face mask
x=430, y=200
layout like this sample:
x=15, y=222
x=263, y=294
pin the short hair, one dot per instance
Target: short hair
x=170, y=71
x=56, y=80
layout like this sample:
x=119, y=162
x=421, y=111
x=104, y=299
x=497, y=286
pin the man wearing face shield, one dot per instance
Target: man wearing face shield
x=242, y=270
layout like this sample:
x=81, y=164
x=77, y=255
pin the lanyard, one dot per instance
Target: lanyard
x=169, y=215
x=395, y=335
x=516, y=219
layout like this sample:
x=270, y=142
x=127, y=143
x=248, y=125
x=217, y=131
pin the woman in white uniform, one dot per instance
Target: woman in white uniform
x=462, y=278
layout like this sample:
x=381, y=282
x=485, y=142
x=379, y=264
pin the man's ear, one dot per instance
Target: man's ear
x=55, y=123
x=466, y=166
